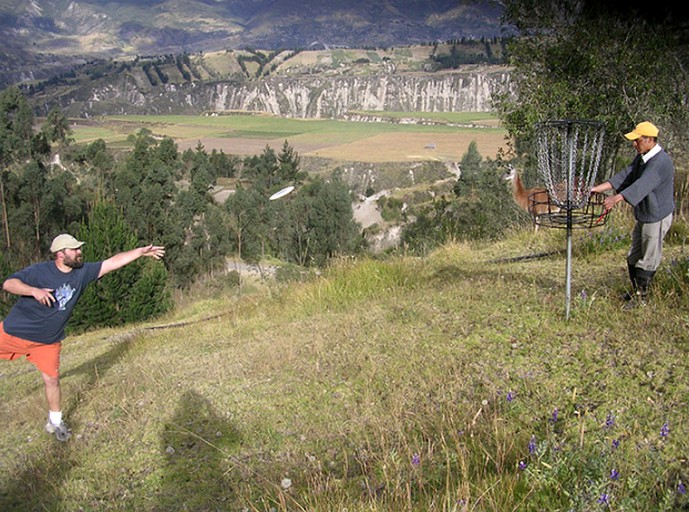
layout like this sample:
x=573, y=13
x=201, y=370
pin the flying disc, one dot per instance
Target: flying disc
x=281, y=193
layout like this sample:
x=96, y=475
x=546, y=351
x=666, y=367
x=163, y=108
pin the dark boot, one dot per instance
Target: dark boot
x=632, y=277
x=643, y=281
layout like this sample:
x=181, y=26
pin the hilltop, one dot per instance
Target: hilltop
x=451, y=382
x=42, y=39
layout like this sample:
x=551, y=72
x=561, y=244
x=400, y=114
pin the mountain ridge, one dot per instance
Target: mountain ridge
x=305, y=84
x=41, y=39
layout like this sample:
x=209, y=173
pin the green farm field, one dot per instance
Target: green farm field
x=248, y=134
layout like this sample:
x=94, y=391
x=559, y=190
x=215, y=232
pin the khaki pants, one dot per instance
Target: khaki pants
x=646, y=251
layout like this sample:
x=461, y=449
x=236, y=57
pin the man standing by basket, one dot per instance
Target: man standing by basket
x=648, y=185
x=35, y=326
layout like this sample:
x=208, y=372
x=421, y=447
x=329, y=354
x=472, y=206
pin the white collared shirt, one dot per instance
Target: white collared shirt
x=651, y=153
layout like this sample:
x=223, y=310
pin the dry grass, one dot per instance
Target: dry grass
x=397, y=147
x=381, y=385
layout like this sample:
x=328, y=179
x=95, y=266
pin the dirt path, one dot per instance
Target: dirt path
x=366, y=212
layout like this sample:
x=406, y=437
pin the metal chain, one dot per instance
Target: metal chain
x=569, y=154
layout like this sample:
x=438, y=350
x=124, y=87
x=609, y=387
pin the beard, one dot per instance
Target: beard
x=75, y=262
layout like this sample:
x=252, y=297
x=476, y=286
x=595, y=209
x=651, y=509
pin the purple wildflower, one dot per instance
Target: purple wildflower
x=553, y=419
x=614, y=474
x=415, y=459
x=615, y=444
x=681, y=488
x=510, y=396
x=604, y=499
x=532, y=445
x=665, y=430
x=609, y=420
x=522, y=465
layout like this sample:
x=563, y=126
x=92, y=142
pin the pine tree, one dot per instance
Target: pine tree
x=56, y=128
x=132, y=293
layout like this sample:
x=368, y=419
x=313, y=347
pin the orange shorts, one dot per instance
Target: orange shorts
x=45, y=357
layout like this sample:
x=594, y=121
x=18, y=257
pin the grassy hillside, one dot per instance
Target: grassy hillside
x=451, y=382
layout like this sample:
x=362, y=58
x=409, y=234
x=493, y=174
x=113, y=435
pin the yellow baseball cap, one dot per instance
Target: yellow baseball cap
x=645, y=129
x=64, y=241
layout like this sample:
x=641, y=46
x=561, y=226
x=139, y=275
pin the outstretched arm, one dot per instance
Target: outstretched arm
x=124, y=258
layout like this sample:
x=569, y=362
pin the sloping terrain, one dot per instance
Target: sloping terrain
x=451, y=382
x=73, y=31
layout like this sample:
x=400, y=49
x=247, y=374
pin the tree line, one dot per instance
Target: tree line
x=154, y=193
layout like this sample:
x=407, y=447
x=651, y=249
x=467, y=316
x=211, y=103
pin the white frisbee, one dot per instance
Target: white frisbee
x=281, y=193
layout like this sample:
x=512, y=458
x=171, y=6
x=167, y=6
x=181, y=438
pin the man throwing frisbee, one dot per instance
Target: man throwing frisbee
x=48, y=292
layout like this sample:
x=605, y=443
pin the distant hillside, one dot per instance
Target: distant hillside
x=39, y=39
x=447, y=77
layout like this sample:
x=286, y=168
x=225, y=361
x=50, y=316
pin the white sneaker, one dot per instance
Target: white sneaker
x=61, y=431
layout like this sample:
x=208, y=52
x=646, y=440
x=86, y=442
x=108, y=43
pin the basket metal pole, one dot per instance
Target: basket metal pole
x=568, y=294
x=570, y=176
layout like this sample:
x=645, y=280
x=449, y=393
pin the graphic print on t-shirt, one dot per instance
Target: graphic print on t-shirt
x=63, y=295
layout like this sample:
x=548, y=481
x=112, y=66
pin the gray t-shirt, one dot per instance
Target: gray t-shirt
x=33, y=321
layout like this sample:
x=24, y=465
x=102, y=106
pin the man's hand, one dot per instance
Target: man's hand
x=155, y=251
x=603, y=187
x=125, y=258
x=44, y=296
x=611, y=201
x=17, y=287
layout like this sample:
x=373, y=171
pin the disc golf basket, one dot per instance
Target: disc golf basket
x=569, y=154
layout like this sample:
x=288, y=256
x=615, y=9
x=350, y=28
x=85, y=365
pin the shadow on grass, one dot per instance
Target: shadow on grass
x=37, y=486
x=94, y=370
x=197, y=442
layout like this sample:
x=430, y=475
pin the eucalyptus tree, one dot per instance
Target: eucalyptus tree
x=16, y=134
x=56, y=128
x=470, y=166
x=262, y=170
x=245, y=227
x=34, y=196
x=201, y=221
x=96, y=165
x=223, y=165
x=146, y=187
x=289, y=162
x=612, y=62
x=201, y=174
x=323, y=224
x=34, y=179
x=271, y=170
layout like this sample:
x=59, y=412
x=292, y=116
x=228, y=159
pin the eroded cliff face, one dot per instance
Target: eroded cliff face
x=301, y=97
x=334, y=97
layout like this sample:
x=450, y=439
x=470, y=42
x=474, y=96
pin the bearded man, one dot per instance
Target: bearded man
x=48, y=292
